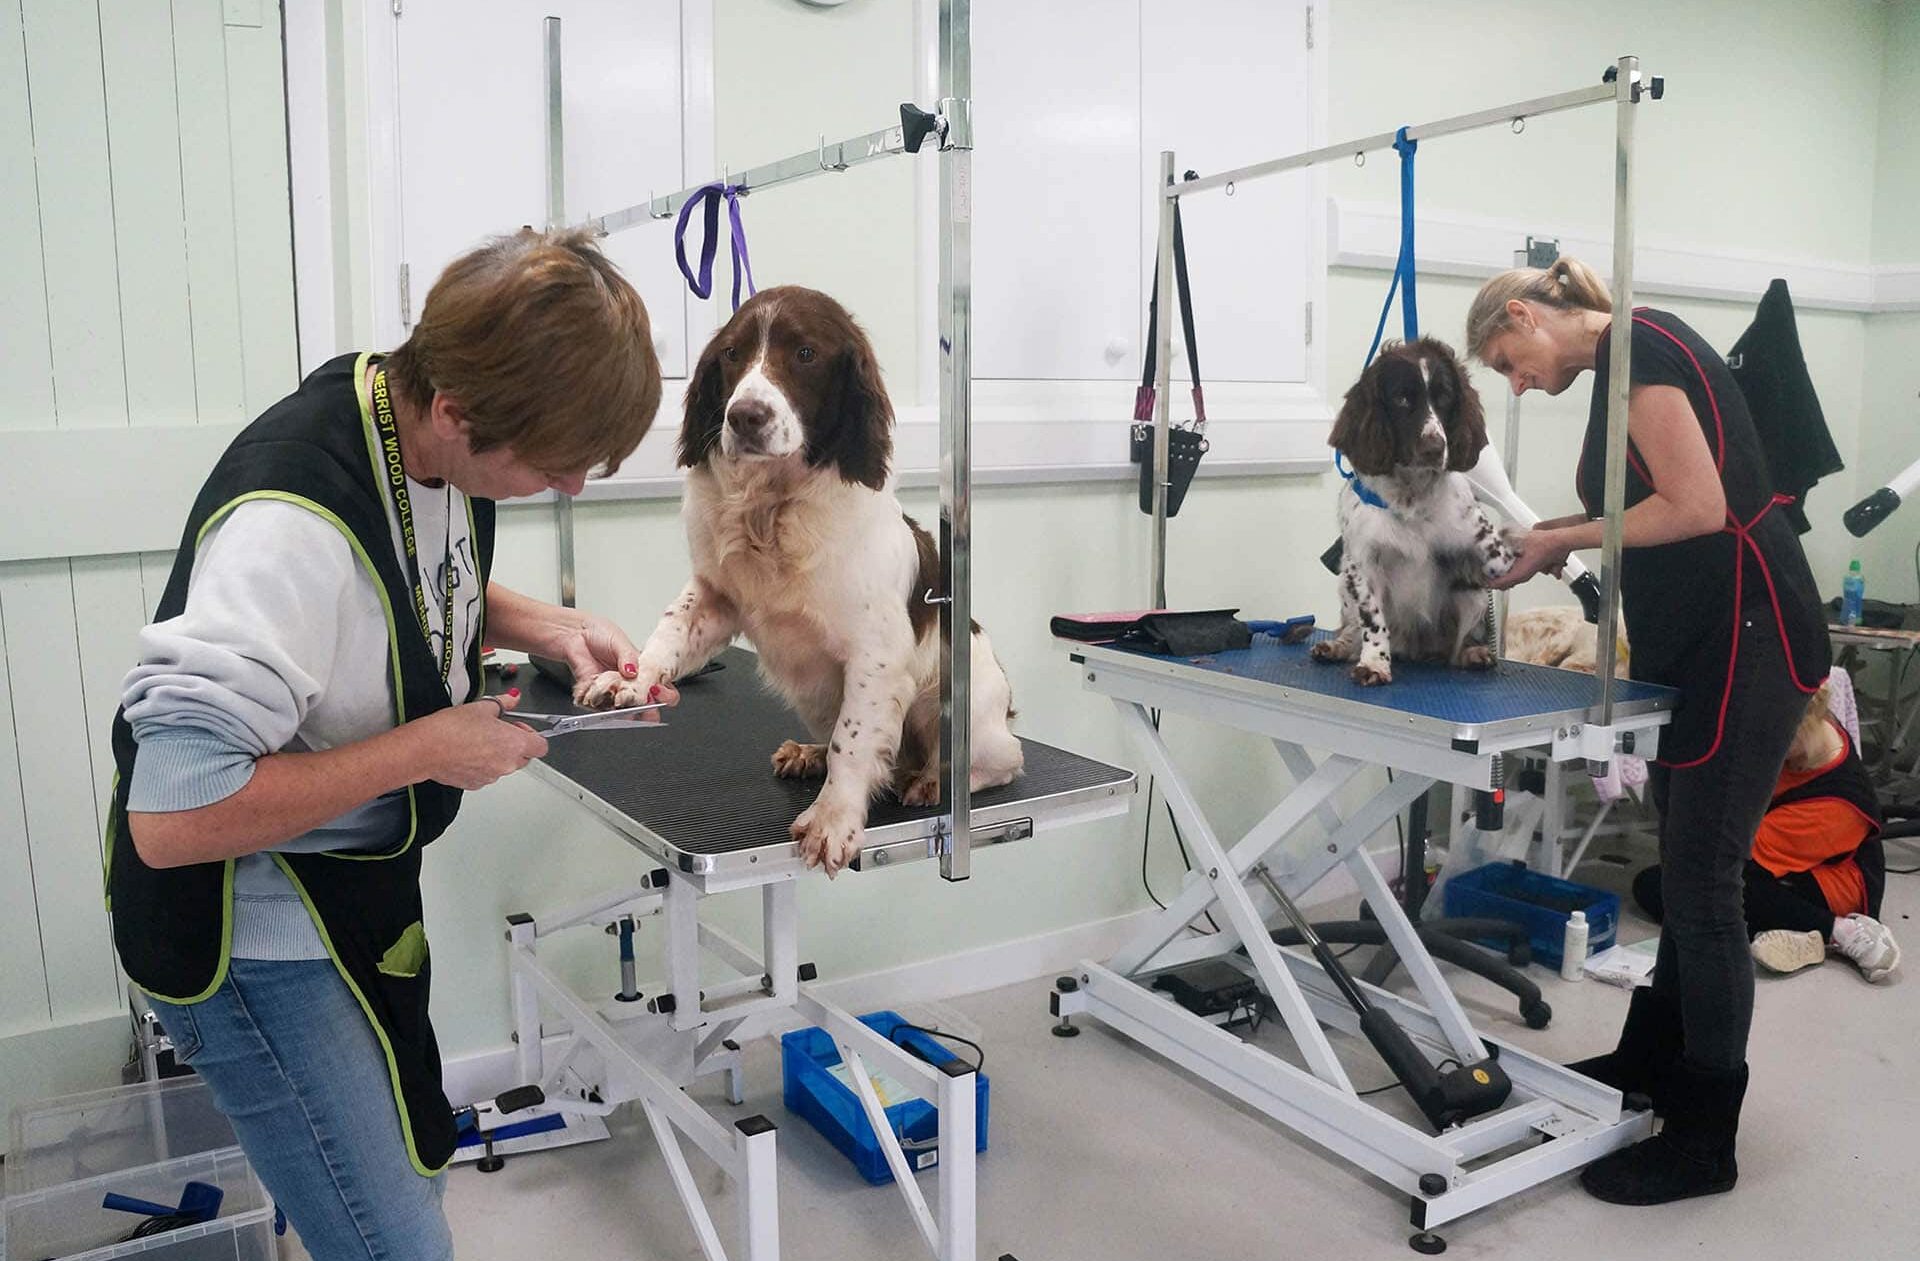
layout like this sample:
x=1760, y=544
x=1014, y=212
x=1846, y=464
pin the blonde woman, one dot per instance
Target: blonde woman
x=1719, y=603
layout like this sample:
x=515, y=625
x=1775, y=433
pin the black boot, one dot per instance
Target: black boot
x=1692, y=1155
x=1650, y=1044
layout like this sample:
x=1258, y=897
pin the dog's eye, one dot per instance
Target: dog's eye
x=806, y=354
x=731, y=354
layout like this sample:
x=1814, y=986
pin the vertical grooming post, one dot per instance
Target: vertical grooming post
x=956, y=438
x=1620, y=381
x=556, y=217
x=1510, y=460
x=1162, y=379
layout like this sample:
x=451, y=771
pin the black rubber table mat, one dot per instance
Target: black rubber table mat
x=705, y=783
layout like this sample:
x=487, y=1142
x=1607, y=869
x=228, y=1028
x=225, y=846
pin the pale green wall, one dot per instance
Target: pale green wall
x=1731, y=160
x=1897, y=191
x=1764, y=142
x=1890, y=429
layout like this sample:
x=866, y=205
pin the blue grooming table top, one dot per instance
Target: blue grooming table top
x=1457, y=704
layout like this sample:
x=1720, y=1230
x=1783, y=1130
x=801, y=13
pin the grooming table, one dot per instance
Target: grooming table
x=700, y=798
x=1429, y=725
x=1893, y=770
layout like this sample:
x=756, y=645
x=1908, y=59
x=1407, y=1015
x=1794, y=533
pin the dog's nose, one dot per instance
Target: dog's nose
x=749, y=415
x=1432, y=441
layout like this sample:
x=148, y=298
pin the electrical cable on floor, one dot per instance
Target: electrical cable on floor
x=980, y=1056
x=1396, y=1085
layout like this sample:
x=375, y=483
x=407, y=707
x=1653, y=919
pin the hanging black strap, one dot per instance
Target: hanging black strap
x=1143, y=400
x=396, y=479
x=1185, y=445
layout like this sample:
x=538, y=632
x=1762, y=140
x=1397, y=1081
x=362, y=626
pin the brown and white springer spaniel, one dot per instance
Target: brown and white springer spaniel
x=799, y=544
x=1417, y=561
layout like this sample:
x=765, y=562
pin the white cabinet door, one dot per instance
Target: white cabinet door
x=473, y=133
x=1056, y=232
x=1225, y=85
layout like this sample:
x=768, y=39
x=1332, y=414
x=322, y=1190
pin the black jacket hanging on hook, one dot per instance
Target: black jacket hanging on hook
x=1772, y=373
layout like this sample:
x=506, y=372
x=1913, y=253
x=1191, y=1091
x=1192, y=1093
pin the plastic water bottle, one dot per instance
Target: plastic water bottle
x=1573, y=948
x=1853, y=594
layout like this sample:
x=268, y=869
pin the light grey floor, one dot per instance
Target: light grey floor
x=1102, y=1152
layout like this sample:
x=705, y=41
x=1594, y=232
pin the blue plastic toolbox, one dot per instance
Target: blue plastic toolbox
x=1541, y=904
x=812, y=1090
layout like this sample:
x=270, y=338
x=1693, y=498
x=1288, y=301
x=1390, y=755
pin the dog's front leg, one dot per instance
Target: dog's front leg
x=878, y=687
x=698, y=624
x=1363, y=630
x=1375, y=665
x=1345, y=643
x=1470, y=648
x=1490, y=544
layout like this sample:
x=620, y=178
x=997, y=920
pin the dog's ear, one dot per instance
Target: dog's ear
x=1362, y=431
x=706, y=409
x=855, y=429
x=1465, y=420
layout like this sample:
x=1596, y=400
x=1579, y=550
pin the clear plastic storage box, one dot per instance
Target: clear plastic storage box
x=69, y=1222
x=77, y=1137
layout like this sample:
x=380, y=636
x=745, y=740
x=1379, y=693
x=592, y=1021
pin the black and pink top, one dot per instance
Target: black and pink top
x=1687, y=605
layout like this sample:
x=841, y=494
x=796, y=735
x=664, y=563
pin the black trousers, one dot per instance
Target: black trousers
x=1793, y=901
x=1708, y=816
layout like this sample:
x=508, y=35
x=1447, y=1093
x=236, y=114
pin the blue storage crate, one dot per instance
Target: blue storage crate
x=807, y=1057
x=1540, y=904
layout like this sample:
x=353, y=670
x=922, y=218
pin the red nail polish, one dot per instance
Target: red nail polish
x=629, y=669
x=653, y=693
x=514, y=692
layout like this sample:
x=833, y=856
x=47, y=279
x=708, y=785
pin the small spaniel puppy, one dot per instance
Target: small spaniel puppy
x=799, y=544
x=1418, y=548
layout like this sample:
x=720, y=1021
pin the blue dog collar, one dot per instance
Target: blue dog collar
x=1360, y=488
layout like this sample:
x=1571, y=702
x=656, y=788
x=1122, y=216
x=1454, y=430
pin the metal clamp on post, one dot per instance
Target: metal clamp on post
x=916, y=125
x=1593, y=743
x=956, y=123
x=1654, y=86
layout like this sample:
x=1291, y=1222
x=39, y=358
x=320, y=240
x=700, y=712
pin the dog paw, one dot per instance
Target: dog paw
x=607, y=690
x=1475, y=657
x=828, y=836
x=794, y=760
x=1505, y=550
x=610, y=690
x=1371, y=675
x=1328, y=650
x=1298, y=633
x=921, y=790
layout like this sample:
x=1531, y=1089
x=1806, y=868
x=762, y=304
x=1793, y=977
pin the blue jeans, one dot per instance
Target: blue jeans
x=293, y=1063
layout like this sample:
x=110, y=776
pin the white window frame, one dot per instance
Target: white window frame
x=1024, y=431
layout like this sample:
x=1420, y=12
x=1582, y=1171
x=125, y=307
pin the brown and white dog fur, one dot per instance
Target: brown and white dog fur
x=799, y=544
x=1413, y=574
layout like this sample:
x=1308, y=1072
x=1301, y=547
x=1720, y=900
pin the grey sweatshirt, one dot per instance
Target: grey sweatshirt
x=283, y=646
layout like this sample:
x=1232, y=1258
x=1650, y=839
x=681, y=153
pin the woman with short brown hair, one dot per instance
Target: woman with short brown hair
x=309, y=707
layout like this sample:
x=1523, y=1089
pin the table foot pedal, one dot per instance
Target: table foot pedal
x=520, y=1098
